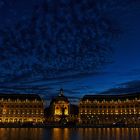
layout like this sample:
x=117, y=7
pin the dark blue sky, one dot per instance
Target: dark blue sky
x=120, y=76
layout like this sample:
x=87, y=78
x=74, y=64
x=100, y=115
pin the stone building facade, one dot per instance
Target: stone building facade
x=110, y=109
x=21, y=108
x=59, y=107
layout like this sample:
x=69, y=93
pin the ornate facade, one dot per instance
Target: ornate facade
x=110, y=109
x=59, y=107
x=21, y=108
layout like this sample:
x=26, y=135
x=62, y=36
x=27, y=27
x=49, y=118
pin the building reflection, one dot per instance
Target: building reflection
x=69, y=134
x=60, y=134
x=21, y=133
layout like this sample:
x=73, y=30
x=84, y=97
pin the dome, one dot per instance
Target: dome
x=60, y=97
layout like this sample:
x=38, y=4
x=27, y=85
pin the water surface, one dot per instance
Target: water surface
x=70, y=134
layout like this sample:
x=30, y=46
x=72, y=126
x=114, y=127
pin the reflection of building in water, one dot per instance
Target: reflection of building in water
x=59, y=107
x=21, y=108
x=109, y=109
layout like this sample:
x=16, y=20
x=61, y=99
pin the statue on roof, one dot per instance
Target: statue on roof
x=61, y=93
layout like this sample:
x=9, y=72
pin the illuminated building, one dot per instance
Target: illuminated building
x=110, y=109
x=59, y=107
x=21, y=108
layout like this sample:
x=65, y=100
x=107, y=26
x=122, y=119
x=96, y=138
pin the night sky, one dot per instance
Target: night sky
x=82, y=46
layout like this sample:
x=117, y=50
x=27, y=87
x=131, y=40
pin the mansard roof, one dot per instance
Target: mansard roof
x=106, y=97
x=20, y=96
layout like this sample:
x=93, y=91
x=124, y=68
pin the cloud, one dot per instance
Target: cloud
x=127, y=87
